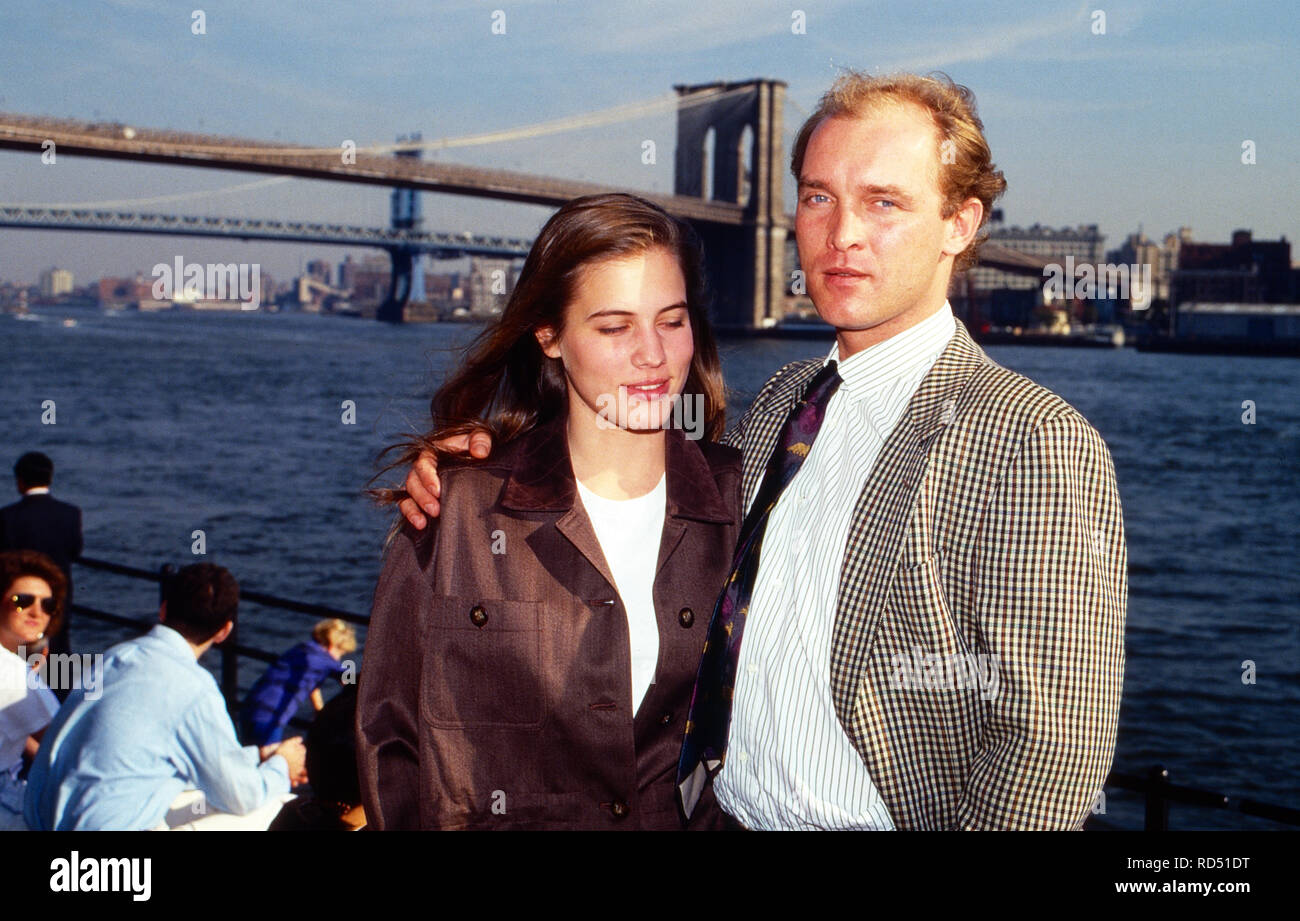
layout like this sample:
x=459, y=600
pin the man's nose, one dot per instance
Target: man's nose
x=846, y=230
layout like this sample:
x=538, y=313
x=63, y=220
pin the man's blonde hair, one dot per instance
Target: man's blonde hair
x=335, y=632
x=966, y=168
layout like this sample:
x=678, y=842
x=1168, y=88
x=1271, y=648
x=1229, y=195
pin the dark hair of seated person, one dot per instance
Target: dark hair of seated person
x=200, y=598
x=331, y=771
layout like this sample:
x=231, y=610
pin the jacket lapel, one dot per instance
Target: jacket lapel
x=882, y=516
x=545, y=483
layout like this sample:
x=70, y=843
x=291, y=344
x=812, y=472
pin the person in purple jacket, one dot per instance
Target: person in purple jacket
x=300, y=672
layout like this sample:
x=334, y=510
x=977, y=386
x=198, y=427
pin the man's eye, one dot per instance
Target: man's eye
x=887, y=204
x=815, y=198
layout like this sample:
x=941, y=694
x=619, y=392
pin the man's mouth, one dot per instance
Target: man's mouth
x=843, y=278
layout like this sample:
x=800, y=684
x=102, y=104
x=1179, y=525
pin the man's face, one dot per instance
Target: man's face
x=876, y=252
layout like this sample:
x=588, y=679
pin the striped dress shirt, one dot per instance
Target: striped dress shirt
x=789, y=763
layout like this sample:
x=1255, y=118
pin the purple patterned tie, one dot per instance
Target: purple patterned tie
x=709, y=719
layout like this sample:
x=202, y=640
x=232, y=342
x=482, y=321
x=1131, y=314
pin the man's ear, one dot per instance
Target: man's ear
x=963, y=224
x=220, y=636
x=549, y=342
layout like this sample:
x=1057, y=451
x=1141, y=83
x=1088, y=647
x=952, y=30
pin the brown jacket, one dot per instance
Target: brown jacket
x=497, y=682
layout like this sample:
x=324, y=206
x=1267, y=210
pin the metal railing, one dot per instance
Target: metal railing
x=1157, y=791
x=231, y=650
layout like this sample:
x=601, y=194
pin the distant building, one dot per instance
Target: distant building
x=320, y=270
x=127, y=293
x=55, y=282
x=368, y=280
x=1016, y=299
x=1137, y=249
x=1245, y=271
x=1238, y=322
x=1084, y=243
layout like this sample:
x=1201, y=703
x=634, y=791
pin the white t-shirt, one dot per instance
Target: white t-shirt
x=26, y=705
x=629, y=531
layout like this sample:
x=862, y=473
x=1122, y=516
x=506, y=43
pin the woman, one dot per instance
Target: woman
x=31, y=607
x=530, y=657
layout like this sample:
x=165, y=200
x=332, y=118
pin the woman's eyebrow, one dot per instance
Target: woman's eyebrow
x=617, y=312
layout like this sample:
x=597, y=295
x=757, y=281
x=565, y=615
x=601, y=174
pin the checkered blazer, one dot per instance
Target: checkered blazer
x=990, y=526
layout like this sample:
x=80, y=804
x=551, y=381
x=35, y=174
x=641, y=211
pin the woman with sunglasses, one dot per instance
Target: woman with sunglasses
x=530, y=657
x=30, y=608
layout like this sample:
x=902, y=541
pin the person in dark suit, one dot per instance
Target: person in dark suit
x=43, y=523
x=530, y=659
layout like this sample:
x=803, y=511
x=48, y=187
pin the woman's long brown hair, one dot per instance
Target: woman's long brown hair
x=507, y=384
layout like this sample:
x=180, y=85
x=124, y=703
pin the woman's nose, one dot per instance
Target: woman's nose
x=649, y=350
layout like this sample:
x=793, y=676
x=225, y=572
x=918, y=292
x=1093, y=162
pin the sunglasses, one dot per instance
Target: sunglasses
x=24, y=601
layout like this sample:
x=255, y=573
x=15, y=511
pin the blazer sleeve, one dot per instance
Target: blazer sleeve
x=388, y=761
x=1050, y=590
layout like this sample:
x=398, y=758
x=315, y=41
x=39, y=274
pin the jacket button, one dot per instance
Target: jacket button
x=619, y=809
x=478, y=616
x=665, y=719
x=686, y=617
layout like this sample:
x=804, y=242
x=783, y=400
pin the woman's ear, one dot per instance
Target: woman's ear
x=549, y=342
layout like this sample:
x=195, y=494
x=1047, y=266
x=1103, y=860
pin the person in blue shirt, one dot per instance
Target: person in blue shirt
x=154, y=725
x=278, y=694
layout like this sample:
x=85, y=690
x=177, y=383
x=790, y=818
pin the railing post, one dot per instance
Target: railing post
x=165, y=572
x=230, y=670
x=1157, y=806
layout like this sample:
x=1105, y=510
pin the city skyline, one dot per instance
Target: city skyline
x=1140, y=125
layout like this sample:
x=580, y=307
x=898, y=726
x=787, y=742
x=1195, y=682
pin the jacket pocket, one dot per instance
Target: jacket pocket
x=922, y=614
x=482, y=664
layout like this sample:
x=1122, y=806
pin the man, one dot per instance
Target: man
x=41, y=522
x=157, y=725
x=933, y=630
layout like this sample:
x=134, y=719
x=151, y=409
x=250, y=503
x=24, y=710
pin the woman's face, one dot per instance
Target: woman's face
x=24, y=626
x=627, y=342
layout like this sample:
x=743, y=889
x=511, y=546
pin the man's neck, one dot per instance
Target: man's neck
x=197, y=648
x=852, y=341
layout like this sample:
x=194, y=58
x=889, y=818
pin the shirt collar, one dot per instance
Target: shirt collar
x=173, y=641
x=902, y=356
x=38, y=491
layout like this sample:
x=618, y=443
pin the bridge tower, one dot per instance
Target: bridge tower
x=407, y=282
x=729, y=149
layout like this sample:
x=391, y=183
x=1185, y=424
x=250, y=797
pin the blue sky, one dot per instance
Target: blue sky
x=1142, y=125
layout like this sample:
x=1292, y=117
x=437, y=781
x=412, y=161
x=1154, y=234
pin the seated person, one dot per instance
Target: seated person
x=156, y=726
x=278, y=694
x=31, y=606
x=335, y=800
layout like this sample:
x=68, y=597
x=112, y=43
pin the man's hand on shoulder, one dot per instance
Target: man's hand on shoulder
x=423, y=487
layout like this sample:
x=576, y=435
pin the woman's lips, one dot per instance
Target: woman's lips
x=649, y=389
